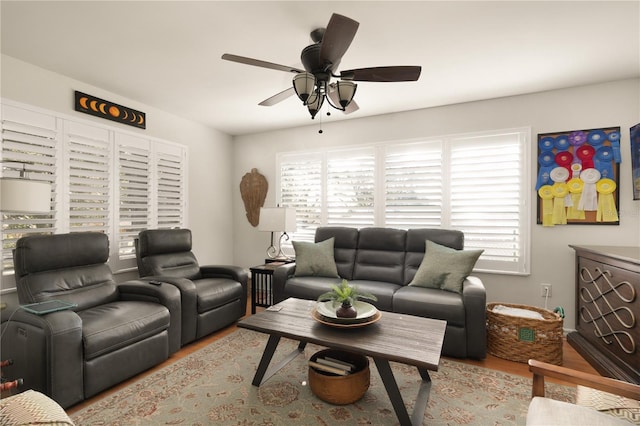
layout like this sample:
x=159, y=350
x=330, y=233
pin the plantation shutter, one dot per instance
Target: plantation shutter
x=413, y=185
x=351, y=188
x=88, y=152
x=487, y=197
x=134, y=185
x=30, y=140
x=301, y=188
x=170, y=193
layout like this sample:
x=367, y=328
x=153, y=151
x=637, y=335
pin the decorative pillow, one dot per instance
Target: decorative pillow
x=315, y=259
x=445, y=268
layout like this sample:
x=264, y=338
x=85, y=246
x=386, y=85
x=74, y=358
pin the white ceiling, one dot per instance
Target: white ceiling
x=167, y=53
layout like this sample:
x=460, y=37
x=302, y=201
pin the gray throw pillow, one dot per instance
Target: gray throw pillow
x=315, y=259
x=445, y=268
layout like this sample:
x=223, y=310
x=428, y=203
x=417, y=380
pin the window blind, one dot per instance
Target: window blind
x=29, y=140
x=170, y=191
x=413, y=185
x=351, y=188
x=473, y=183
x=300, y=184
x=89, y=164
x=134, y=192
x=103, y=180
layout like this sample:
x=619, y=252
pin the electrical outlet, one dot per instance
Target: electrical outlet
x=545, y=290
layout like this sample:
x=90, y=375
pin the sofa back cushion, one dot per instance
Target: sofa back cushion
x=344, y=247
x=69, y=267
x=416, y=246
x=381, y=255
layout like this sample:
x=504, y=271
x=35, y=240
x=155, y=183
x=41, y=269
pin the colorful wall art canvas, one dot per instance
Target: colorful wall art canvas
x=109, y=110
x=578, y=180
x=635, y=160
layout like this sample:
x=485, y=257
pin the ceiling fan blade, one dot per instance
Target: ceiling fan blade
x=259, y=63
x=352, y=107
x=383, y=74
x=337, y=38
x=278, y=97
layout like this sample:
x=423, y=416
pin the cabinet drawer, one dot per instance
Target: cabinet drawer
x=608, y=309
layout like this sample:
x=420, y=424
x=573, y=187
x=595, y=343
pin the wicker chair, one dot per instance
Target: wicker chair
x=546, y=411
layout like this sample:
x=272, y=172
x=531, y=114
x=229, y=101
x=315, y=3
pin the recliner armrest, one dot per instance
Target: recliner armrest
x=165, y=294
x=47, y=353
x=225, y=271
x=189, y=303
x=280, y=276
x=474, y=297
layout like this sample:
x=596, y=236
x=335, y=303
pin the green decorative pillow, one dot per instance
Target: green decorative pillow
x=315, y=259
x=445, y=268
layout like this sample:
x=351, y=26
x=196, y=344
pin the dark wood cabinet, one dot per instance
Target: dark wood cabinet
x=608, y=310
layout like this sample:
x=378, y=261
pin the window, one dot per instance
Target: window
x=30, y=140
x=103, y=179
x=473, y=183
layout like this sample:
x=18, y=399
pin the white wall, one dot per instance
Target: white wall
x=603, y=105
x=210, y=178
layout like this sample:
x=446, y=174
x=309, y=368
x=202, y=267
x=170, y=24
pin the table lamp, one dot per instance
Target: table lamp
x=277, y=219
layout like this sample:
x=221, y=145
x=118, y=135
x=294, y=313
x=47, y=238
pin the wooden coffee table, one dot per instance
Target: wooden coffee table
x=395, y=337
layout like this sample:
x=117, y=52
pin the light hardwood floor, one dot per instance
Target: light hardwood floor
x=570, y=359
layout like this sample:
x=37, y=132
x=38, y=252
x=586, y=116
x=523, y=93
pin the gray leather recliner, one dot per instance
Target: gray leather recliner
x=116, y=331
x=213, y=297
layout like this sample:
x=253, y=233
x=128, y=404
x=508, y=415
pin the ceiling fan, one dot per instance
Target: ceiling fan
x=320, y=60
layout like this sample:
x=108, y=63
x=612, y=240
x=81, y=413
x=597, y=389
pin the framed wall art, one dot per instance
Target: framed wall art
x=635, y=160
x=578, y=178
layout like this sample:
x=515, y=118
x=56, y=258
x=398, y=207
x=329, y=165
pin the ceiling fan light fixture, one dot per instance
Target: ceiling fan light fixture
x=346, y=91
x=314, y=103
x=304, y=84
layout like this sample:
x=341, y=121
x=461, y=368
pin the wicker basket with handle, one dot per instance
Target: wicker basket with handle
x=520, y=339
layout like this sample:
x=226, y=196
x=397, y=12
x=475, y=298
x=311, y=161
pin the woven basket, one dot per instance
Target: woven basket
x=520, y=339
x=340, y=390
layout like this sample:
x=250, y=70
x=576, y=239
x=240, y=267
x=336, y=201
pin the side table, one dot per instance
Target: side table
x=262, y=283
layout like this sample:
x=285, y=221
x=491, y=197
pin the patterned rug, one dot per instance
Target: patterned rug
x=213, y=386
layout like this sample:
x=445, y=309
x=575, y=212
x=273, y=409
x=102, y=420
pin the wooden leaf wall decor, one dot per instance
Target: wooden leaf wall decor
x=109, y=110
x=253, y=189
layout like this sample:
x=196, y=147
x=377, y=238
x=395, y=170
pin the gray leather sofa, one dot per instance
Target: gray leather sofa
x=116, y=331
x=212, y=296
x=383, y=261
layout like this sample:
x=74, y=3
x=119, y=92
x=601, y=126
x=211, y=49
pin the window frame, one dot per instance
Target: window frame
x=521, y=142
x=60, y=176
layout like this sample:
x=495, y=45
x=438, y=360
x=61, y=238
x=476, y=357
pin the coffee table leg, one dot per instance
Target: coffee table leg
x=423, y=397
x=263, y=373
x=396, y=398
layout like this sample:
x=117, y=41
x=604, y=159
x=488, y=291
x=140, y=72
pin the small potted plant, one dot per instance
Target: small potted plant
x=346, y=295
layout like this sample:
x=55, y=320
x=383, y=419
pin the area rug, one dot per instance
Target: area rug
x=213, y=386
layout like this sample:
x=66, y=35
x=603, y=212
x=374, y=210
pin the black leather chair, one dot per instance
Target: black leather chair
x=115, y=332
x=212, y=296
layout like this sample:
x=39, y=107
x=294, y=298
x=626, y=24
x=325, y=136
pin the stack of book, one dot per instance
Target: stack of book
x=332, y=366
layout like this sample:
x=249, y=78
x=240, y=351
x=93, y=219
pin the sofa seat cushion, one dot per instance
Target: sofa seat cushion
x=309, y=288
x=431, y=303
x=382, y=290
x=112, y=326
x=215, y=292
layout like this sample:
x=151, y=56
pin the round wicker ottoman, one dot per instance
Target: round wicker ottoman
x=340, y=390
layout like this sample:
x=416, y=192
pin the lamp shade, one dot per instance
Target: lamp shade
x=24, y=196
x=304, y=84
x=346, y=90
x=277, y=219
